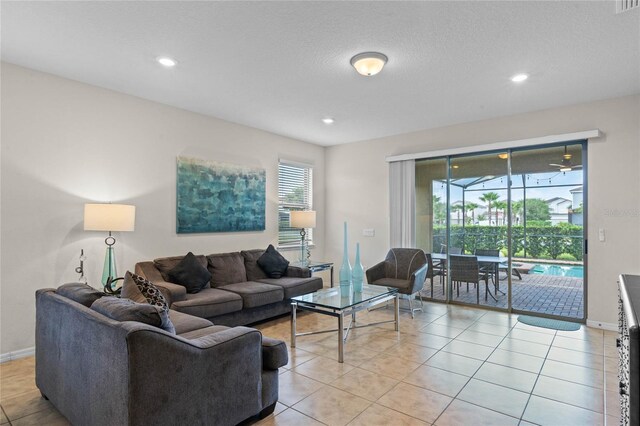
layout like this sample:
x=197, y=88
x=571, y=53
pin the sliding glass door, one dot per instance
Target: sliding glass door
x=479, y=196
x=505, y=229
x=547, y=231
x=431, y=220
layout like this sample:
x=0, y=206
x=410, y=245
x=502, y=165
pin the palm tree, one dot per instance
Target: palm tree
x=439, y=211
x=472, y=208
x=489, y=198
x=501, y=205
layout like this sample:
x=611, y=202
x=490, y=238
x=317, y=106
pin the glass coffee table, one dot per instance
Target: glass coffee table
x=339, y=302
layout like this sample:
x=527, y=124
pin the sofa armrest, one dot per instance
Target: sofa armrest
x=375, y=273
x=172, y=292
x=274, y=353
x=297, y=272
x=222, y=371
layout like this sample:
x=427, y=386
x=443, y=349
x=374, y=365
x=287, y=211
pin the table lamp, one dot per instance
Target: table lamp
x=303, y=220
x=110, y=218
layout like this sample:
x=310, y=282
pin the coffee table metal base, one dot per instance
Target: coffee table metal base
x=343, y=332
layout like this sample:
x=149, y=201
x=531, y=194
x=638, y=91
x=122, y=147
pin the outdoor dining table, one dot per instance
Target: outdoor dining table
x=496, y=261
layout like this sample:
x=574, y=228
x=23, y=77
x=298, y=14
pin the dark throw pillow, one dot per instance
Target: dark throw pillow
x=80, y=292
x=121, y=309
x=273, y=263
x=190, y=274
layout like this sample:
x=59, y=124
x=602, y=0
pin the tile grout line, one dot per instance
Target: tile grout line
x=538, y=377
x=478, y=369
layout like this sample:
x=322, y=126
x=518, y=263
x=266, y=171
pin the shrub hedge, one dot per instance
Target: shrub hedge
x=541, y=242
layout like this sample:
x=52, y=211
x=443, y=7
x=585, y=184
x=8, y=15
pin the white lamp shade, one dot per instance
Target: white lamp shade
x=109, y=217
x=304, y=219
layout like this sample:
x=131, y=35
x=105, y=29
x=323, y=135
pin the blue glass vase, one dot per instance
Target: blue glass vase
x=357, y=276
x=109, y=269
x=345, y=269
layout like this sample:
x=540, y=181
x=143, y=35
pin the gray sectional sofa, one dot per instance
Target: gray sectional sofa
x=99, y=371
x=239, y=292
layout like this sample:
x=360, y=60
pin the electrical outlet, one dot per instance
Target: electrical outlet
x=369, y=232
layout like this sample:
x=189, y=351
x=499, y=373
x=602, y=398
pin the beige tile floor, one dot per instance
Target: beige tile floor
x=448, y=366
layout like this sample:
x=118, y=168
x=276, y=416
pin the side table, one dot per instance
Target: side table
x=316, y=266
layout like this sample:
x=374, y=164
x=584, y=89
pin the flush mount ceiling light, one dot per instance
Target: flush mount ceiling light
x=166, y=61
x=519, y=78
x=369, y=63
x=328, y=120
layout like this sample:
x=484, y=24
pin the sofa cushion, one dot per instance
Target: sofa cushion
x=185, y=323
x=273, y=263
x=80, y=292
x=196, y=334
x=190, y=273
x=255, y=294
x=121, y=309
x=295, y=286
x=254, y=271
x=142, y=290
x=165, y=264
x=274, y=353
x=226, y=268
x=209, y=302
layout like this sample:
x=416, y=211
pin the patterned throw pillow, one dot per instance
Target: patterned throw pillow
x=142, y=290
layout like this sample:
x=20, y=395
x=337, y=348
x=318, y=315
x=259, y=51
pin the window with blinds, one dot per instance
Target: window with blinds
x=295, y=189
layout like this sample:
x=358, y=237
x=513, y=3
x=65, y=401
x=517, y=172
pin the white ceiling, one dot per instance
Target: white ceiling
x=283, y=66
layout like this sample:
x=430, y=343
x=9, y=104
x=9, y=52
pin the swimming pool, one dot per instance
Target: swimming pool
x=574, y=271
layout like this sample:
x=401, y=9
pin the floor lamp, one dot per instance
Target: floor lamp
x=303, y=220
x=110, y=218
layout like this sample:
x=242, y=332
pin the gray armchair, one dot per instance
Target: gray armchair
x=404, y=269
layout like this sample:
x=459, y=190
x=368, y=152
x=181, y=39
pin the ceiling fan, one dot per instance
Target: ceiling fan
x=566, y=165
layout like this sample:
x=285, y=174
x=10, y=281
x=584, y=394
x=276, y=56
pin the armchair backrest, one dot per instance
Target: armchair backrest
x=400, y=263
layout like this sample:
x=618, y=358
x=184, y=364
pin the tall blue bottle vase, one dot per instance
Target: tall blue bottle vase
x=357, y=276
x=345, y=269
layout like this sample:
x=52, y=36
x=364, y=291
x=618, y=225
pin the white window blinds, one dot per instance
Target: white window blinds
x=295, y=192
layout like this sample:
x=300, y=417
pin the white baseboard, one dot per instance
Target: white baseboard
x=22, y=353
x=603, y=325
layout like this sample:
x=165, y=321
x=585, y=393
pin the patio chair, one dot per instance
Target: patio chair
x=436, y=270
x=404, y=269
x=490, y=268
x=465, y=269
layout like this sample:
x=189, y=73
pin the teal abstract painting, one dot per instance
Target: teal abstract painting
x=219, y=197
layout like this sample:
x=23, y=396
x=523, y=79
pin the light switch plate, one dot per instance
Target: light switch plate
x=369, y=232
x=601, y=235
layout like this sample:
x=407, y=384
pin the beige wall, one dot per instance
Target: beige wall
x=357, y=185
x=65, y=143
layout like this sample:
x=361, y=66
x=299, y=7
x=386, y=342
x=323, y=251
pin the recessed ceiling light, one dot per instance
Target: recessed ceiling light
x=455, y=166
x=503, y=155
x=518, y=78
x=328, y=120
x=369, y=63
x=166, y=61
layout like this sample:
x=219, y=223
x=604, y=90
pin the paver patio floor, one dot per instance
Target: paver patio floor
x=547, y=294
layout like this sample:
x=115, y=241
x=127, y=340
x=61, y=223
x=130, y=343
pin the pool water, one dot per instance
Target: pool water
x=574, y=271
